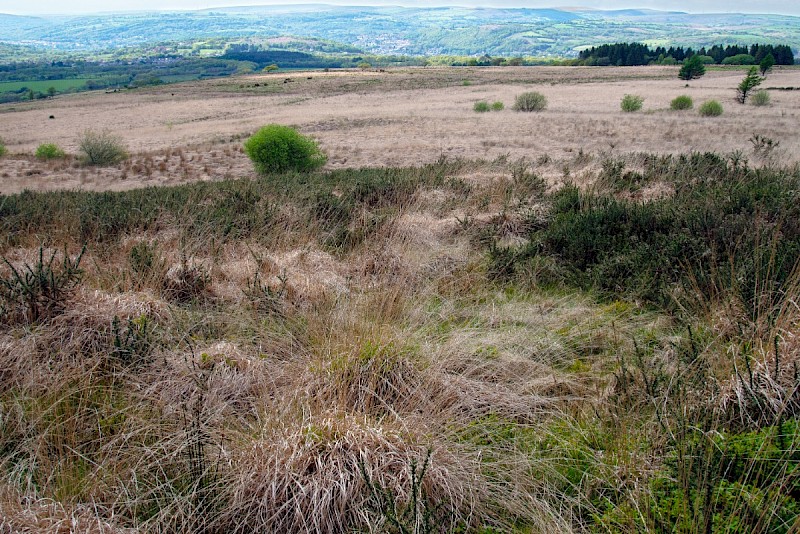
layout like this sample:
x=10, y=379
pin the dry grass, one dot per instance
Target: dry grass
x=242, y=384
x=195, y=135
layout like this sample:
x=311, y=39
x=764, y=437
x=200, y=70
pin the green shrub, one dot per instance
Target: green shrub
x=631, y=103
x=498, y=106
x=276, y=148
x=49, y=151
x=647, y=250
x=530, y=101
x=3, y=149
x=761, y=98
x=711, y=108
x=739, y=59
x=481, y=107
x=721, y=469
x=681, y=102
x=101, y=148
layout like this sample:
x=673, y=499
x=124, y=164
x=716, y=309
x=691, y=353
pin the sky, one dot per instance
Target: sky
x=785, y=7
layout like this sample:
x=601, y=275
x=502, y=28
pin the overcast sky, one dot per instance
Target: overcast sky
x=786, y=7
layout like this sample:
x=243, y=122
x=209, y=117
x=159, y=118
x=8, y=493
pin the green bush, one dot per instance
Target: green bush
x=647, y=250
x=3, y=149
x=49, y=151
x=498, y=106
x=631, y=103
x=760, y=98
x=101, y=148
x=711, y=108
x=481, y=107
x=681, y=102
x=530, y=101
x=276, y=148
x=739, y=59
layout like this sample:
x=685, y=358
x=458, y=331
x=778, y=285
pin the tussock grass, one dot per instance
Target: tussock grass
x=283, y=354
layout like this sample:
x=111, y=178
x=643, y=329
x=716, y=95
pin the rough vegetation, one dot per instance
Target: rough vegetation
x=101, y=148
x=761, y=98
x=461, y=347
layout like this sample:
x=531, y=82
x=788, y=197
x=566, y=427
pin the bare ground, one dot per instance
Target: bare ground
x=193, y=131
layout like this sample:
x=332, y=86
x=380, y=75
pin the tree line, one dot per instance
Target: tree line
x=630, y=54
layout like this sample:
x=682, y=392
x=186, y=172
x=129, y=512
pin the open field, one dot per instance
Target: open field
x=394, y=118
x=578, y=320
x=43, y=85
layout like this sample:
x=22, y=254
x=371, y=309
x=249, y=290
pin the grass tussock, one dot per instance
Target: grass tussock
x=424, y=349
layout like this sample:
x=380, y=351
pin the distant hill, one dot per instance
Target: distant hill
x=410, y=30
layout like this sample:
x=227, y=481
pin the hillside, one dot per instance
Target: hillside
x=412, y=31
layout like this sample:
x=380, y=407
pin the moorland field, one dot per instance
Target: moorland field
x=578, y=319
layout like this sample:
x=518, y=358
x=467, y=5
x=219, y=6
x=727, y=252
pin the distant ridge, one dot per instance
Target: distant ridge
x=420, y=31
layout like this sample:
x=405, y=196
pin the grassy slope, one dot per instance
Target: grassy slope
x=284, y=354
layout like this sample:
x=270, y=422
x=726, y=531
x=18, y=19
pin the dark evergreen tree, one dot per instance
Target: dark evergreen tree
x=766, y=64
x=692, y=68
x=750, y=82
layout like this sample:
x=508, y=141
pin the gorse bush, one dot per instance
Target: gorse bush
x=49, y=151
x=631, y=103
x=35, y=292
x=275, y=148
x=530, y=101
x=648, y=250
x=681, y=102
x=101, y=148
x=760, y=98
x=481, y=107
x=498, y=106
x=711, y=108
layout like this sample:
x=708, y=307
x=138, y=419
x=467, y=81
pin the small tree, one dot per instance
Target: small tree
x=766, y=64
x=692, y=68
x=750, y=82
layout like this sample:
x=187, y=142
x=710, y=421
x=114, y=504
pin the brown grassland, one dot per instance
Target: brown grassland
x=574, y=320
x=188, y=132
